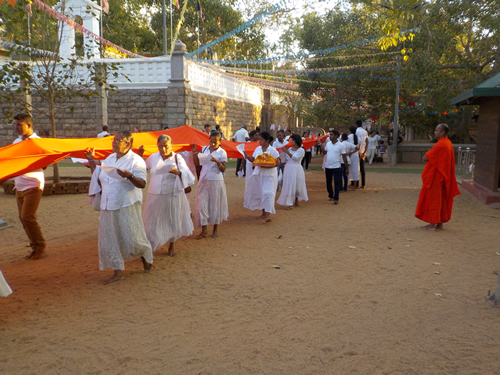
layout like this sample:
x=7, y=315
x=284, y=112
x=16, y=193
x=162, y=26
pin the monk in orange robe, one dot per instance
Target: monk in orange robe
x=439, y=183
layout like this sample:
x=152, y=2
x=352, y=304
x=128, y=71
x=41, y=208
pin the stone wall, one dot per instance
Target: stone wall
x=148, y=109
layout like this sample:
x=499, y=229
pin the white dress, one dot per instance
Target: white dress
x=167, y=215
x=211, y=197
x=252, y=189
x=294, y=180
x=121, y=230
x=269, y=181
x=354, y=166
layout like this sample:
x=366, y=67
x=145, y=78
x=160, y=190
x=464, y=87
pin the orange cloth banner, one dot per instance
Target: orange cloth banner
x=33, y=154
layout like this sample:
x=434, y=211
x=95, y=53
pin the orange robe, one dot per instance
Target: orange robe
x=439, y=184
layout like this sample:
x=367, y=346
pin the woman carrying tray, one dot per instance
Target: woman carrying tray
x=265, y=159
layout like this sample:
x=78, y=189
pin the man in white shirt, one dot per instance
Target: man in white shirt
x=29, y=188
x=334, y=155
x=241, y=136
x=104, y=133
x=363, y=148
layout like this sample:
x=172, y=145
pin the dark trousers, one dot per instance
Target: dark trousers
x=27, y=204
x=238, y=165
x=306, y=159
x=345, y=177
x=336, y=175
x=362, y=170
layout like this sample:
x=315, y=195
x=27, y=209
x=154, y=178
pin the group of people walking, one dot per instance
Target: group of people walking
x=126, y=230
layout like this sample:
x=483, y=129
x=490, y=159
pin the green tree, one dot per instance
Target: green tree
x=54, y=82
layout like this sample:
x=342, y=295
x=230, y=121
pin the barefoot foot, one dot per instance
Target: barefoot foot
x=147, y=266
x=36, y=254
x=118, y=275
x=429, y=227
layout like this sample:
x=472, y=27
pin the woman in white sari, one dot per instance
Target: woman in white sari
x=121, y=231
x=354, y=166
x=211, y=197
x=252, y=183
x=294, y=180
x=167, y=216
x=268, y=174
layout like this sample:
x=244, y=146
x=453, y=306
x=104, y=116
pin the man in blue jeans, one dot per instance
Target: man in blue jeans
x=334, y=154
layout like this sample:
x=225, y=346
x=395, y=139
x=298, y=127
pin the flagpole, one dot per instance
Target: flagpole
x=198, y=33
x=164, y=18
x=171, y=25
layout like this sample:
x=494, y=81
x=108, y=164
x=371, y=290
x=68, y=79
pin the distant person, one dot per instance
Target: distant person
x=207, y=128
x=372, y=146
x=294, y=179
x=137, y=129
x=211, y=197
x=166, y=127
x=308, y=155
x=104, y=133
x=278, y=143
x=354, y=166
x=335, y=154
x=241, y=136
x=439, y=185
x=253, y=182
x=363, y=149
x=217, y=129
x=268, y=173
x=29, y=189
x=288, y=133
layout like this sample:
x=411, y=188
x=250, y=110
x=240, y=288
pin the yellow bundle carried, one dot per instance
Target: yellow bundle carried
x=264, y=160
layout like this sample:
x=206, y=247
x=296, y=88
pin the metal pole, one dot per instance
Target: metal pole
x=396, y=118
x=164, y=16
x=198, y=36
x=171, y=25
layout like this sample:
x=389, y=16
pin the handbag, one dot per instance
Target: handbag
x=188, y=189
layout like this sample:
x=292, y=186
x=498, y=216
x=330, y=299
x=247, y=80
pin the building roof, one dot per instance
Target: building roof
x=490, y=87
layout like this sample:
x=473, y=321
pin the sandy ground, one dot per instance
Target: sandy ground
x=220, y=307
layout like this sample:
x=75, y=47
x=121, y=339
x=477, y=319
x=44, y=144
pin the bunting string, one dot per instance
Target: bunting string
x=301, y=55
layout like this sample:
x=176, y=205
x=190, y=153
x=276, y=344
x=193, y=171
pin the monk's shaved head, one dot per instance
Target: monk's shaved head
x=444, y=128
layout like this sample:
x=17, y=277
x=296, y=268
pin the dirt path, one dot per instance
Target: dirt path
x=220, y=307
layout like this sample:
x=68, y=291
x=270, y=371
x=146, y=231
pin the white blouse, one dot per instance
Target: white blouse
x=211, y=171
x=163, y=182
x=266, y=171
x=120, y=192
x=29, y=180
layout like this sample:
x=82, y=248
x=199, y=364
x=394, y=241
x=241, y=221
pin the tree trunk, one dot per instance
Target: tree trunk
x=56, y=178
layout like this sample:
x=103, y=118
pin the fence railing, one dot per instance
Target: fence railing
x=211, y=82
x=465, y=162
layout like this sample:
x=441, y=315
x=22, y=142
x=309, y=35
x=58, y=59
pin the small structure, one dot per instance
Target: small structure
x=486, y=182
x=90, y=13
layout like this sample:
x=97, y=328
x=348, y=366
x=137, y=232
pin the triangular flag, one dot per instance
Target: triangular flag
x=105, y=6
x=199, y=10
x=28, y=8
x=176, y=3
x=12, y=2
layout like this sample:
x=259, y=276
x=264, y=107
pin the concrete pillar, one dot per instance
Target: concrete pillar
x=178, y=77
x=67, y=44
x=91, y=23
x=102, y=99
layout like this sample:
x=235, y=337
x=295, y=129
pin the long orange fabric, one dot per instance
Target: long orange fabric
x=33, y=154
x=439, y=185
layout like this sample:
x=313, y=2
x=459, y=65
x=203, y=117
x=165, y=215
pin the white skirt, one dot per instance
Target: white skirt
x=166, y=218
x=210, y=202
x=252, y=189
x=122, y=235
x=268, y=193
x=4, y=287
x=294, y=185
x=354, y=167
